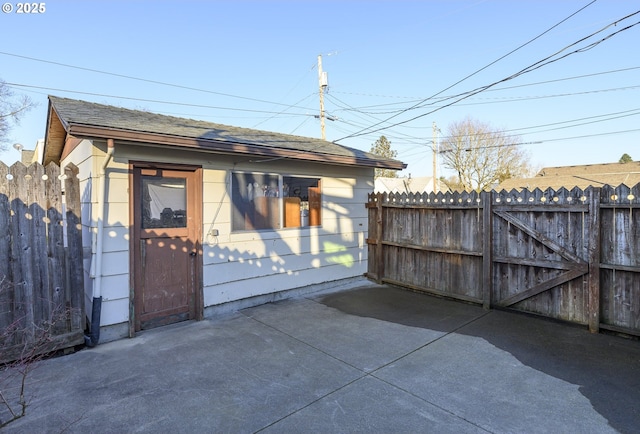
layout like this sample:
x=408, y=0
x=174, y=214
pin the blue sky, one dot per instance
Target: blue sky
x=254, y=64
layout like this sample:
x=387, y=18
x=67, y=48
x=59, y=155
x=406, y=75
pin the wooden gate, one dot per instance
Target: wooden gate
x=572, y=255
x=540, y=254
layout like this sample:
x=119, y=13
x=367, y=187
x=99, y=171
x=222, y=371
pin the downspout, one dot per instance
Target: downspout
x=96, y=309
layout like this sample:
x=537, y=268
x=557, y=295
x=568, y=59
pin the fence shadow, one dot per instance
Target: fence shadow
x=601, y=366
x=41, y=293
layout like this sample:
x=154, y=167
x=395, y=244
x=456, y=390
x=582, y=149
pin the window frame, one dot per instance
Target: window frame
x=281, y=202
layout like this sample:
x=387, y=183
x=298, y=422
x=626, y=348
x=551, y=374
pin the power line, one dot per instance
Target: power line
x=473, y=73
x=150, y=100
x=616, y=115
x=488, y=90
x=625, y=113
x=295, y=104
x=395, y=135
x=522, y=99
x=559, y=95
x=586, y=136
x=299, y=125
x=129, y=77
x=508, y=99
x=564, y=79
x=539, y=64
x=611, y=133
x=290, y=105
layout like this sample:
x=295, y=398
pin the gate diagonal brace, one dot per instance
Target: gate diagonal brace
x=544, y=286
x=540, y=237
x=576, y=266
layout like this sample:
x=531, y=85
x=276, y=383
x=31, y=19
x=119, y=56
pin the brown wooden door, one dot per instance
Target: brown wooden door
x=166, y=260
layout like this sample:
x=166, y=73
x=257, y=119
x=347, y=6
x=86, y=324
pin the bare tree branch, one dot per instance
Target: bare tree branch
x=482, y=156
x=12, y=108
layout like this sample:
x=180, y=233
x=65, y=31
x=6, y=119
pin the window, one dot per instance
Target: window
x=164, y=202
x=302, y=201
x=263, y=201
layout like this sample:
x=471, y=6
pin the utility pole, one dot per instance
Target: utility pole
x=434, y=146
x=322, y=85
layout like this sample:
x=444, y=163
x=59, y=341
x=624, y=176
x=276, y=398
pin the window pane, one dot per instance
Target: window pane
x=256, y=201
x=302, y=201
x=164, y=202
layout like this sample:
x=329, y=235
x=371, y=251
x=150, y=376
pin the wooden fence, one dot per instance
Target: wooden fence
x=41, y=277
x=572, y=255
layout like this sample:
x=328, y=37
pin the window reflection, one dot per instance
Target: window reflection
x=259, y=199
x=164, y=202
x=302, y=201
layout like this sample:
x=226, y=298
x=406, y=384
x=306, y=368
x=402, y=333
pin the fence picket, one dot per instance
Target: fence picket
x=5, y=250
x=41, y=310
x=572, y=254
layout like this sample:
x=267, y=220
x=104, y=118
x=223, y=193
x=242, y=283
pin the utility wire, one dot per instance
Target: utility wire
x=149, y=100
x=129, y=77
x=467, y=77
x=414, y=98
x=615, y=115
x=285, y=110
x=546, y=61
x=290, y=105
x=564, y=79
x=361, y=109
x=558, y=95
x=537, y=142
x=501, y=100
x=610, y=133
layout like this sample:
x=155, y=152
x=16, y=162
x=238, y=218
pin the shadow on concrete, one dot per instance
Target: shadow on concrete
x=606, y=368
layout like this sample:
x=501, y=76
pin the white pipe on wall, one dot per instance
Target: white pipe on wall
x=96, y=260
x=102, y=192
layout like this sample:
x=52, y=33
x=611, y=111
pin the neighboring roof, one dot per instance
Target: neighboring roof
x=584, y=176
x=83, y=119
x=421, y=184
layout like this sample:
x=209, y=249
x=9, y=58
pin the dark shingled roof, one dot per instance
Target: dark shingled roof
x=86, y=119
x=595, y=175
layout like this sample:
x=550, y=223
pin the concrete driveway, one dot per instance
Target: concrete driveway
x=367, y=359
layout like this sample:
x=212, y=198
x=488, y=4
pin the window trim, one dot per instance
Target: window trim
x=280, y=197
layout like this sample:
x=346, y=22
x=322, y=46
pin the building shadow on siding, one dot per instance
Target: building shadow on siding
x=258, y=262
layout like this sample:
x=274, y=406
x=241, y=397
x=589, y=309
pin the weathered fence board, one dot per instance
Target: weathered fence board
x=620, y=257
x=572, y=255
x=41, y=301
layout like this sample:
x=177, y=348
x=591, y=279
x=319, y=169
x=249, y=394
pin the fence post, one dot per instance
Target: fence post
x=593, y=281
x=379, y=254
x=487, y=243
x=74, y=242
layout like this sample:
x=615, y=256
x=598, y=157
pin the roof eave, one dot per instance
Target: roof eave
x=55, y=135
x=216, y=146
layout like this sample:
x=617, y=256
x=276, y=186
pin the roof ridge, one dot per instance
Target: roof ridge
x=96, y=120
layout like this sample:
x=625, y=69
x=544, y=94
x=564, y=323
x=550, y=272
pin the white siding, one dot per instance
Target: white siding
x=245, y=264
x=115, y=283
x=81, y=156
x=114, y=311
x=236, y=265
